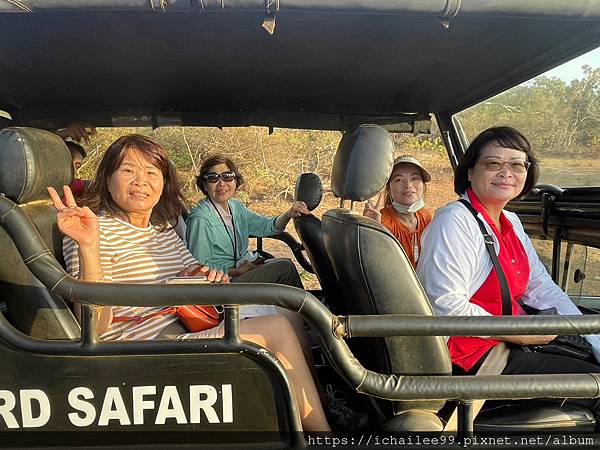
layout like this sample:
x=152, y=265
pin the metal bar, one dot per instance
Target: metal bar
x=232, y=323
x=558, y=236
x=413, y=325
x=566, y=266
x=465, y=419
x=89, y=325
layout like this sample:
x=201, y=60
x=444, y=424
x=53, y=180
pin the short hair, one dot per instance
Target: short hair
x=170, y=205
x=75, y=147
x=507, y=137
x=215, y=160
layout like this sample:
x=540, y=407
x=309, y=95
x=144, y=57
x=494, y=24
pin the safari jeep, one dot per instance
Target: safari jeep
x=357, y=66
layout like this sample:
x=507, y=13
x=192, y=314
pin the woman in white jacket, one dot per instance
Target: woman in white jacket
x=456, y=269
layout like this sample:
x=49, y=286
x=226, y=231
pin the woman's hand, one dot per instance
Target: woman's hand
x=374, y=211
x=245, y=267
x=79, y=223
x=527, y=339
x=296, y=210
x=212, y=275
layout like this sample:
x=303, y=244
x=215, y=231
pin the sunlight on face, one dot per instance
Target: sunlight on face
x=221, y=191
x=497, y=187
x=136, y=185
x=406, y=184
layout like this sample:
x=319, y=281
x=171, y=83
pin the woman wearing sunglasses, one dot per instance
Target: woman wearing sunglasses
x=218, y=231
x=456, y=267
x=219, y=227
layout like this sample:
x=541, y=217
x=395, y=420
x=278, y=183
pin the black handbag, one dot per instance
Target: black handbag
x=575, y=346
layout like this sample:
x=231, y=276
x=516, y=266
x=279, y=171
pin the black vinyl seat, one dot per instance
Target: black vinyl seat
x=374, y=274
x=376, y=277
x=31, y=160
x=309, y=189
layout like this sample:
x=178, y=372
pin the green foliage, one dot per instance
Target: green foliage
x=557, y=117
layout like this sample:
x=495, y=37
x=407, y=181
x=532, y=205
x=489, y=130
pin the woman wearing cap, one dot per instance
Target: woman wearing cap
x=401, y=208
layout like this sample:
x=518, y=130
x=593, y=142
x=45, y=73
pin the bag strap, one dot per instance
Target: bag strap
x=162, y=312
x=489, y=245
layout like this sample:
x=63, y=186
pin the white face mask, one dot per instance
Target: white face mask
x=404, y=209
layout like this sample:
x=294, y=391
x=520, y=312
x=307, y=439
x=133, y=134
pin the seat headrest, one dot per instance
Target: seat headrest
x=363, y=162
x=31, y=160
x=309, y=190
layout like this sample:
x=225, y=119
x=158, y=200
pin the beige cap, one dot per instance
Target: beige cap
x=406, y=159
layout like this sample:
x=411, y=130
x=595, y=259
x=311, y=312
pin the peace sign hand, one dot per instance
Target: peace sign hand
x=374, y=211
x=79, y=223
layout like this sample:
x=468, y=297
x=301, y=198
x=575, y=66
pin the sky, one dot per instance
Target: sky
x=572, y=70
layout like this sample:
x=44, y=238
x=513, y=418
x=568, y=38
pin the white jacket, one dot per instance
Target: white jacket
x=454, y=263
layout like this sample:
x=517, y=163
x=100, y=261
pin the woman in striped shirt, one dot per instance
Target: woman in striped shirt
x=123, y=233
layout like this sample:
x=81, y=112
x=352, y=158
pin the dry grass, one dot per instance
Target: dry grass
x=271, y=164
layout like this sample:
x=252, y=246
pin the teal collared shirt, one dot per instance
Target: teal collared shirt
x=208, y=239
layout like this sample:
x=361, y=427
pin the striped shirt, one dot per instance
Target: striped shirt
x=129, y=254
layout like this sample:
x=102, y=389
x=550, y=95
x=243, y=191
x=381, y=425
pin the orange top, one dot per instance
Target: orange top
x=410, y=240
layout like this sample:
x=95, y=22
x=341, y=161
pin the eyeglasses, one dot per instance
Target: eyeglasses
x=213, y=177
x=493, y=165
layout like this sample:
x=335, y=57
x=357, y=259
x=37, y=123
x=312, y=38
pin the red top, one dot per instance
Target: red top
x=466, y=351
x=77, y=186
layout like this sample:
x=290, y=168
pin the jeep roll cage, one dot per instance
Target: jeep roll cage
x=328, y=65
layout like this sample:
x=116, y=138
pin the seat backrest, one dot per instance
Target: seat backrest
x=31, y=160
x=309, y=189
x=374, y=274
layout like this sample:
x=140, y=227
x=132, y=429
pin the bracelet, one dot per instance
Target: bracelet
x=89, y=274
x=81, y=274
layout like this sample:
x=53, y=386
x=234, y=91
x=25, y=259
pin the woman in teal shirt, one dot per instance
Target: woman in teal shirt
x=219, y=227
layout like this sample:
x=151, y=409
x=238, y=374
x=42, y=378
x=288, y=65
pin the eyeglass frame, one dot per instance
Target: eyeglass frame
x=503, y=164
x=214, y=177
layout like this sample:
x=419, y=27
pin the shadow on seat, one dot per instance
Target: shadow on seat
x=31, y=160
x=309, y=189
x=376, y=277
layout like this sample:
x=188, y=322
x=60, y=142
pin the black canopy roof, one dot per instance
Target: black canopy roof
x=327, y=64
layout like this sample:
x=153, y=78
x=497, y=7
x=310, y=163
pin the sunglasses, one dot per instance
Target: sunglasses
x=514, y=166
x=213, y=177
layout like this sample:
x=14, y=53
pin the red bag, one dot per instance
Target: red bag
x=198, y=318
x=195, y=317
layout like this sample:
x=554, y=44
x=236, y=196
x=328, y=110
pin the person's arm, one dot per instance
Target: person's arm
x=373, y=211
x=77, y=131
x=249, y=223
x=451, y=268
x=449, y=264
x=194, y=267
x=81, y=225
x=296, y=210
x=541, y=291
